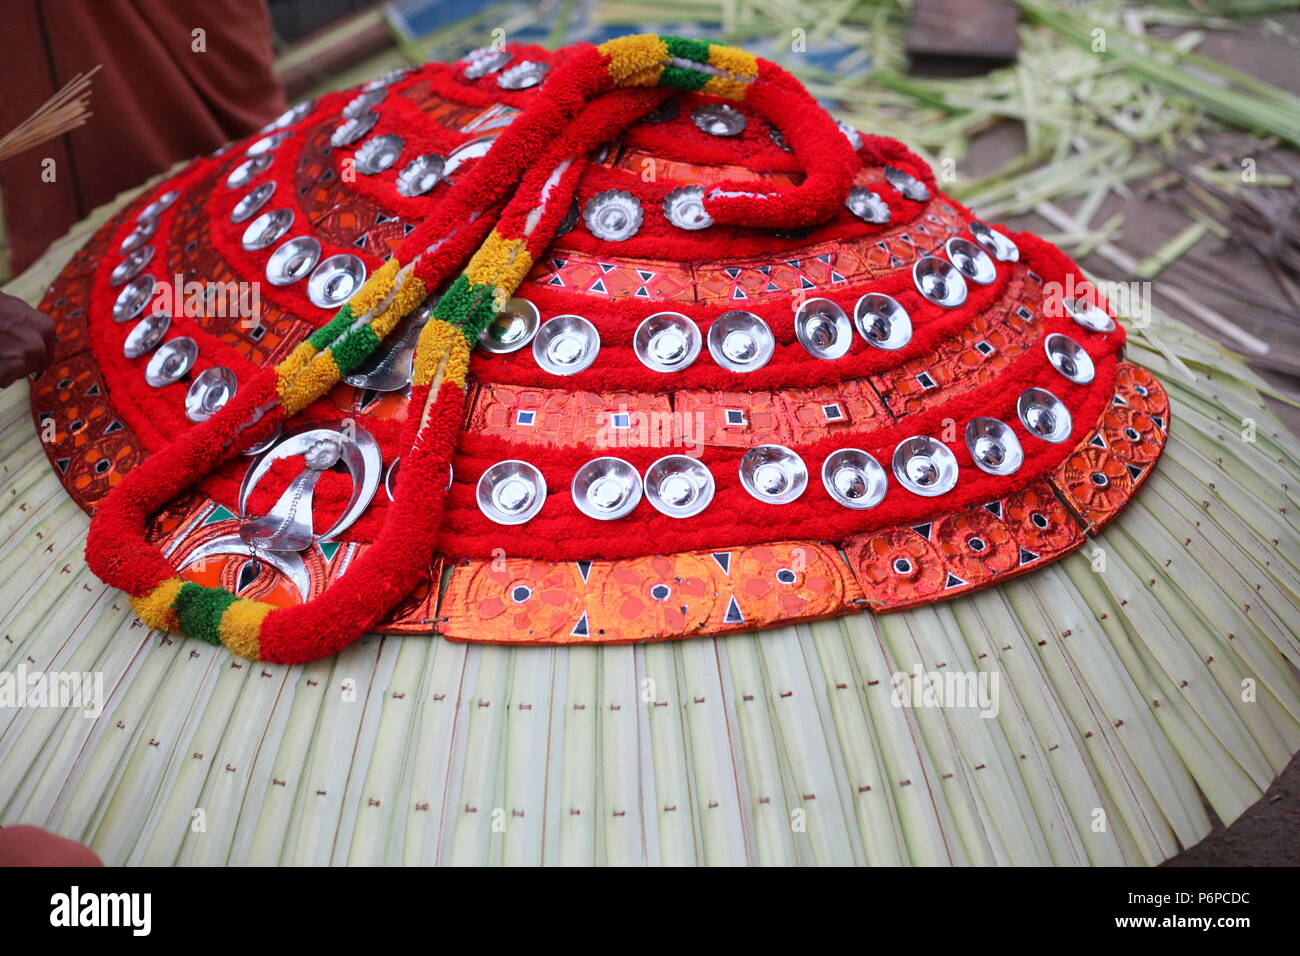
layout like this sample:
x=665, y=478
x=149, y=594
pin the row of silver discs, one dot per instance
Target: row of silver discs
x=487, y=60
x=423, y=172
x=513, y=491
x=330, y=282
x=615, y=215
x=741, y=341
x=173, y=360
x=665, y=342
x=823, y=328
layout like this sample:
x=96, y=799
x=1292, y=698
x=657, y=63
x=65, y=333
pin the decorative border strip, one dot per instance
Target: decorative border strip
x=700, y=593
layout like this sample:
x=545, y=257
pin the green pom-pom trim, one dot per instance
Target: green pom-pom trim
x=199, y=610
x=454, y=304
x=677, y=78
x=687, y=49
x=481, y=313
x=354, y=348
x=332, y=329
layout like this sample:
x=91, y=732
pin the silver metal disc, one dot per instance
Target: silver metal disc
x=145, y=227
x=1088, y=315
x=867, y=206
x=160, y=204
x=995, y=243
x=256, y=198
x=773, y=474
x=666, y=342
x=882, y=321
x=740, y=341
x=854, y=478
x=823, y=329
x=363, y=103
x=613, y=215
x=719, y=119
x=209, y=392
x=378, y=153
x=131, y=266
x=248, y=170
x=421, y=174
x=146, y=334
x=939, y=281
x=993, y=446
x=266, y=229
x=266, y=144
x=925, y=466
x=523, y=75
x=566, y=344
x=335, y=279
x=679, y=486
x=511, y=492
x=684, y=208
x=1069, y=358
x=971, y=260
x=907, y=184
x=172, y=362
x=133, y=297
x=1044, y=415
x=513, y=328
x=293, y=260
x=606, y=488
x=490, y=61
x=353, y=128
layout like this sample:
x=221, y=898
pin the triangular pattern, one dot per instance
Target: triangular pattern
x=733, y=615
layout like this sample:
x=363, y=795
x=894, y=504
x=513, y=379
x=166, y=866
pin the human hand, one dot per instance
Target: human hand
x=26, y=339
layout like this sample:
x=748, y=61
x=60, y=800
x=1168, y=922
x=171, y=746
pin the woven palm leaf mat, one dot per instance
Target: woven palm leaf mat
x=1137, y=680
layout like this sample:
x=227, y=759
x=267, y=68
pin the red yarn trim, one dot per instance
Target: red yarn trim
x=617, y=368
x=561, y=532
x=379, y=577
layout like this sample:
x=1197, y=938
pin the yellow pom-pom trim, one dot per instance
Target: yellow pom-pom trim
x=457, y=368
x=374, y=291
x=733, y=60
x=437, y=339
x=310, y=384
x=741, y=67
x=636, y=60
x=497, y=257
x=240, y=625
x=297, y=360
x=410, y=295
x=155, y=608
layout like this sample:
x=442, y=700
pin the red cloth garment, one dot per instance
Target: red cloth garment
x=176, y=80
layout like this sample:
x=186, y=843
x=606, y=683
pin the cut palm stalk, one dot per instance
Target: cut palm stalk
x=864, y=768
x=576, y=815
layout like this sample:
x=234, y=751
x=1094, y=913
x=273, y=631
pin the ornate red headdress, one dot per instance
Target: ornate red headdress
x=740, y=365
